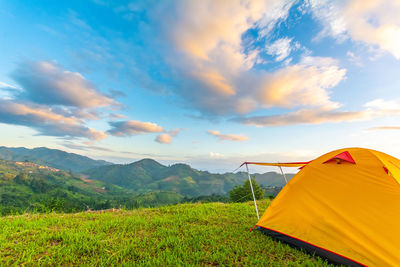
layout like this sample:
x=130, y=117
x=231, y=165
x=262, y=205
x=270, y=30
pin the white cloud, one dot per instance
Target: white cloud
x=328, y=13
x=355, y=59
x=382, y=104
x=6, y=85
x=374, y=22
x=216, y=155
x=7, y=91
x=280, y=48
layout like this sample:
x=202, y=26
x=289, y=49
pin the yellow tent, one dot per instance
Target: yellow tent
x=344, y=206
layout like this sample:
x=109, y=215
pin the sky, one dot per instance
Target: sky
x=203, y=82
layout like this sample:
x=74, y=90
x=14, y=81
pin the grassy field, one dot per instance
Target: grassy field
x=181, y=235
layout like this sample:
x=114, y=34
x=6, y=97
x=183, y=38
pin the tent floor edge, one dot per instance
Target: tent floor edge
x=309, y=248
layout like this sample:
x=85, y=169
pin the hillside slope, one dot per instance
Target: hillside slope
x=148, y=175
x=52, y=157
x=31, y=187
x=26, y=186
x=187, y=234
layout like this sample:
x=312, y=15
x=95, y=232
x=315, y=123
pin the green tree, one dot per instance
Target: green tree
x=21, y=178
x=243, y=193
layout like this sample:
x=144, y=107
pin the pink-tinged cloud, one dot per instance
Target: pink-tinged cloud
x=305, y=116
x=302, y=84
x=46, y=121
x=228, y=137
x=164, y=139
x=374, y=109
x=132, y=127
x=48, y=83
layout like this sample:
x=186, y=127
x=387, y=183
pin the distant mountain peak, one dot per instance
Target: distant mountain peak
x=181, y=165
x=147, y=162
x=52, y=157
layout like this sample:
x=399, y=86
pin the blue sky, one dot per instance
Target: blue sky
x=208, y=83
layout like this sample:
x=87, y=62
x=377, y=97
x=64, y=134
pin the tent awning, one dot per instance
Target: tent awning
x=285, y=164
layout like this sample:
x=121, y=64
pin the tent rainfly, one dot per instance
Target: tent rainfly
x=344, y=206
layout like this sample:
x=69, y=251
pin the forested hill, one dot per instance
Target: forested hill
x=52, y=157
x=149, y=175
x=29, y=187
x=143, y=176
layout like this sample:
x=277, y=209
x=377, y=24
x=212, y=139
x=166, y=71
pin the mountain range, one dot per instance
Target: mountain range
x=149, y=175
x=52, y=157
x=143, y=176
x=26, y=186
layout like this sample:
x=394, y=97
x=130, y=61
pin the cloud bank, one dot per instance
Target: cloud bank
x=48, y=83
x=46, y=121
x=373, y=109
x=216, y=68
x=53, y=101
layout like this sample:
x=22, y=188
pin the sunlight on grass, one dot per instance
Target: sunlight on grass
x=186, y=234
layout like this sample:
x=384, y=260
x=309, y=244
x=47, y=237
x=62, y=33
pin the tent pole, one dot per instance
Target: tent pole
x=252, y=191
x=284, y=176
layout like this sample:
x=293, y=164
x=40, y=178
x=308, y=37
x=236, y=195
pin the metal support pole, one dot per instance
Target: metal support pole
x=284, y=176
x=252, y=191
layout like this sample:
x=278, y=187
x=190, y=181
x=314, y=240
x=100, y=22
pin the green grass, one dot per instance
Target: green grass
x=181, y=235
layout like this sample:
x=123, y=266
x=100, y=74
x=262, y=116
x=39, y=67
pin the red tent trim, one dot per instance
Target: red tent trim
x=345, y=156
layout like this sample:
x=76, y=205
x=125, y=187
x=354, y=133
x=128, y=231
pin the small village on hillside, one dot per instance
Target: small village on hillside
x=34, y=165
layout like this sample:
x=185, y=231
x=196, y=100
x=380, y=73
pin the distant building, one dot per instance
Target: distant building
x=31, y=164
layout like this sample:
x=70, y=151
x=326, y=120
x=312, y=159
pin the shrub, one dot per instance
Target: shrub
x=243, y=193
